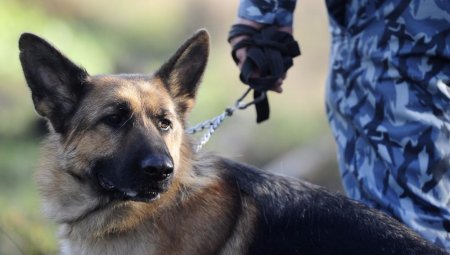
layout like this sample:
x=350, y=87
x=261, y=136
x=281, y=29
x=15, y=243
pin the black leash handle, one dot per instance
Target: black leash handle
x=270, y=52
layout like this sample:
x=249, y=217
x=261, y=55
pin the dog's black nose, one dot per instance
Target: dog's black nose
x=157, y=165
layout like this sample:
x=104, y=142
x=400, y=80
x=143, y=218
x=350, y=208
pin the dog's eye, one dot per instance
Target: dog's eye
x=114, y=120
x=164, y=124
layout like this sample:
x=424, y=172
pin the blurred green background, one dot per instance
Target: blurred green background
x=113, y=36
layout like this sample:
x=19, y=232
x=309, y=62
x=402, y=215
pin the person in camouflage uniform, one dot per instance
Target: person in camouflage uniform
x=388, y=103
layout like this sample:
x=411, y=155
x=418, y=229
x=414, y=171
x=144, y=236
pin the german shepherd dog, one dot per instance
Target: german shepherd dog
x=119, y=175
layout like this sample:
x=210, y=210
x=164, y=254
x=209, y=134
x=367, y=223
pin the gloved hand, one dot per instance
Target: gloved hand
x=264, y=54
x=241, y=53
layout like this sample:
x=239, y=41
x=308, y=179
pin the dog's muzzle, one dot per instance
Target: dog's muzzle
x=142, y=179
x=148, y=193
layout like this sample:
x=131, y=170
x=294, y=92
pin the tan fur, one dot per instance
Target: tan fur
x=197, y=215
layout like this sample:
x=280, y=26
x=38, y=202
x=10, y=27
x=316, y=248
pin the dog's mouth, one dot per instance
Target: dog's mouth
x=140, y=194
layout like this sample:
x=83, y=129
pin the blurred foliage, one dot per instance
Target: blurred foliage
x=113, y=36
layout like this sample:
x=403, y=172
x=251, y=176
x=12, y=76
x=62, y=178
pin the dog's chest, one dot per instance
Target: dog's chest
x=137, y=243
x=110, y=247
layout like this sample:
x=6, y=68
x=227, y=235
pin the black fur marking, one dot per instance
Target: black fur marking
x=119, y=116
x=57, y=84
x=297, y=218
x=125, y=172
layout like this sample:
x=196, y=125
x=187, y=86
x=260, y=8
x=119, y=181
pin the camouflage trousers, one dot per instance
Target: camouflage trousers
x=390, y=116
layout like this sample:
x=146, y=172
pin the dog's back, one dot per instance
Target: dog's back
x=294, y=217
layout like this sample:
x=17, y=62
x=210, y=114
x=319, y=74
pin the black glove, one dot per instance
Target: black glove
x=269, y=51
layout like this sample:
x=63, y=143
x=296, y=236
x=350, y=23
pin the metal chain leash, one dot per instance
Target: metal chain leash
x=212, y=124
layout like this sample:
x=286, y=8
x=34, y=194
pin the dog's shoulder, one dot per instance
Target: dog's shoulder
x=272, y=191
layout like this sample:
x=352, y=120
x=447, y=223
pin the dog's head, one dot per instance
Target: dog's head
x=123, y=134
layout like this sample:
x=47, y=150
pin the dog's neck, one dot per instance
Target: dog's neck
x=192, y=209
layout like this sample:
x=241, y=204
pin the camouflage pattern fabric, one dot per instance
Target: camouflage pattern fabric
x=274, y=12
x=388, y=104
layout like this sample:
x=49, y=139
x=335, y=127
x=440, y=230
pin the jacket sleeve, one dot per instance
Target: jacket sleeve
x=273, y=12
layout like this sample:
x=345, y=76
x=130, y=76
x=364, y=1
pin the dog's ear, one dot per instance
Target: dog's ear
x=56, y=83
x=182, y=73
